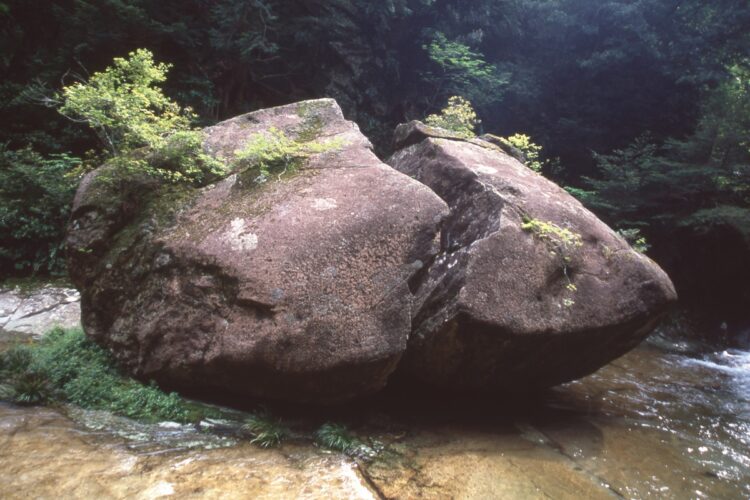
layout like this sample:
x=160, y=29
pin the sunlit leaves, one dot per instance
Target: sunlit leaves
x=125, y=106
x=458, y=116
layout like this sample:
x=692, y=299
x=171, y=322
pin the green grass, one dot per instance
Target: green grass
x=265, y=430
x=66, y=367
x=337, y=437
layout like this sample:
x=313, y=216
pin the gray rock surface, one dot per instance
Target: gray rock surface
x=530, y=289
x=36, y=311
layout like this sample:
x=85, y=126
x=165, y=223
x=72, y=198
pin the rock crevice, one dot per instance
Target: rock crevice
x=503, y=308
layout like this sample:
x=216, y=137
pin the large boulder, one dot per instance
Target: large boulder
x=315, y=284
x=529, y=289
x=295, y=289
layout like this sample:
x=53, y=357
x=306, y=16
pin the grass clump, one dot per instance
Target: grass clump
x=266, y=430
x=67, y=367
x=272, y=151
x=337, y=437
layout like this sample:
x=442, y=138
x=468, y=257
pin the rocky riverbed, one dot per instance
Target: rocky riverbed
x=34, y=310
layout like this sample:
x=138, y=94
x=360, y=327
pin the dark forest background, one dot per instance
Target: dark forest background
x=642, y=106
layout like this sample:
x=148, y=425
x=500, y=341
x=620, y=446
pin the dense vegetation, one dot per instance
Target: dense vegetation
x=642, y=107
x=67, y=367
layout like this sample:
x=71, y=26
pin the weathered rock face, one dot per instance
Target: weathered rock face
x=313, y=285
x=35, y=311
x=530, y=289
x=294, y=289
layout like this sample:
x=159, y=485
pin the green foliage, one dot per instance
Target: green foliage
x=36, y=192
x=338, y=438
x=458, y=116
x=705, y=220
x=678, y=183
x=266, y=431
x=636, y=240
x=125, y=106
x=461, y=70
x=127, y=109
x=632, y=184
x=273, y=152
x=531, y=152
x=65, y=366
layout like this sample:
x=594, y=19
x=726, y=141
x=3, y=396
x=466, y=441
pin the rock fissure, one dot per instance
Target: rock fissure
x=497, y=290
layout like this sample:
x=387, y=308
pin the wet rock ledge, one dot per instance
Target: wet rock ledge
x=456, y=265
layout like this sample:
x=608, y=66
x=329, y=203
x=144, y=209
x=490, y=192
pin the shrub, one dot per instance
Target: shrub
x=36, y=193
x=531, y=152
x=124, y=105
x=458, y=116
x=273, y=152
x=127, y=110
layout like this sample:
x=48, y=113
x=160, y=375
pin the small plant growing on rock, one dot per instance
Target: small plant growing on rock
x=531, y=152
x=560, y=239
x=562, y=242
x=273, y=151
x=181, y=159
x=337, y=437
x=459, y=117
x=635, y=239
x=265, y=430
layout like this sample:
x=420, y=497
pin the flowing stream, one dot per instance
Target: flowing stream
x=655, y=423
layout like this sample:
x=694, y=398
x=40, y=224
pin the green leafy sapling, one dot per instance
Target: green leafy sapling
x=127, y=110
x=124, y=104
x=531, y=152
x=458, y=117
